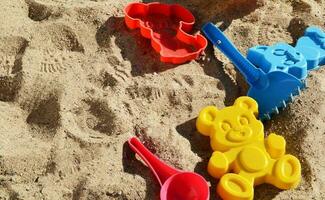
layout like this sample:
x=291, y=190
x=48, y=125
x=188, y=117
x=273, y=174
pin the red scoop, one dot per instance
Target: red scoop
x=175, y=184
x=168, y=27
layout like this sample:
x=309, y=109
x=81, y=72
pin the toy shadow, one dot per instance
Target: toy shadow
x=224, y=11
x=133, y=166
x=214, y=68
x=201, y=146
x=295, y=136
x=134, y=48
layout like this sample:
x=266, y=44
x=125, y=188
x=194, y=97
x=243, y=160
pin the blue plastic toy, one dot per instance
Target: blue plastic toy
x=281, y=57
x=312, y=46
x=272, y=91
x=308, y=54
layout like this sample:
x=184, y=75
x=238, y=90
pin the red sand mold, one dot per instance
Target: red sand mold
x=168, y=27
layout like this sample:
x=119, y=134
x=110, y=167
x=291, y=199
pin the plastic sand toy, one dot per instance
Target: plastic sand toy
x=168, y=27
x=175, y=184
x=308, y=54
x=281, y=57
x=271, y=90
x=312, y=46
x=242, y=158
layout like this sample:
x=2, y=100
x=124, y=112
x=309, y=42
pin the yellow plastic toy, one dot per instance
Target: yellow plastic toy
x=237, y=139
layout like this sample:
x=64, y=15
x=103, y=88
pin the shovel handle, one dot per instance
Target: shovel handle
x=217, y=37
x=161, y=170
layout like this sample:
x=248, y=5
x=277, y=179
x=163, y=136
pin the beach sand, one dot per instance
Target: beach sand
x=75, y=84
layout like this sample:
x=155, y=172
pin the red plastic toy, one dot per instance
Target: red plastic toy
x=175, y=184
x=168, y=27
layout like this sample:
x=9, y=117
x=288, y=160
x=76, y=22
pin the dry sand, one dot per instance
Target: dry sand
x=75, y=84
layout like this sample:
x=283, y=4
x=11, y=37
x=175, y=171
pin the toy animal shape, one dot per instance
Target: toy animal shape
x=312, y=46
x=168, y=27
x=237, y=139
x=281, y=57
x=308, y=54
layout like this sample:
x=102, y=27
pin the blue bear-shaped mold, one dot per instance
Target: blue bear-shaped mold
x=279, y=57
x=312, y=46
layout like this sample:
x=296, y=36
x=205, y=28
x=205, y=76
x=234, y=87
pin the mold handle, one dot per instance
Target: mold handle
x=161, y=170
x=216, y=36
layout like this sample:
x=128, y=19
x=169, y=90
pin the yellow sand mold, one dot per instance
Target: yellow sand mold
x=237, y=139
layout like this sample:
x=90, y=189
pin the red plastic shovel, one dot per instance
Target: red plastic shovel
x=175, y=184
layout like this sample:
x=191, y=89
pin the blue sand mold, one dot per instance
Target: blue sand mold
x=271, y=90
x=279, y=57
x=312, y=46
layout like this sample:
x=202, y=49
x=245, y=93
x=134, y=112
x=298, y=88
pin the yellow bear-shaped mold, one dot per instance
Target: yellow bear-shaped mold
x=237, y=139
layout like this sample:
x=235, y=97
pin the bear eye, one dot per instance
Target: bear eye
x=226, y=126
x=243, y=120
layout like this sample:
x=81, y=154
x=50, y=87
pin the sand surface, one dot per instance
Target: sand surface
x=75, y=84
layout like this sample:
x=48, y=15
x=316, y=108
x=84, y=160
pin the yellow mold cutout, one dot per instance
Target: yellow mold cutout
x=237, y=139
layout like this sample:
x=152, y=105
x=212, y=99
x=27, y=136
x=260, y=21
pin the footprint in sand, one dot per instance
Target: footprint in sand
x=12, y=50
x=38, y=11
x=119, y=68
x=301, y=6
x=162, y=95
x=97, y=118
x=46, y=113
x=54, y=61
x=40, y=98
x=147, y=93
x=56, y=50
x=100, y=117
x=51, y=61
x=177, y=87
x=44, y=118
x=57, y=36
x=270, y=37
x=108, y=80
x=6, y=64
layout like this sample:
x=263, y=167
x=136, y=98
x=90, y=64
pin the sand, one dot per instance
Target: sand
x=75, y=84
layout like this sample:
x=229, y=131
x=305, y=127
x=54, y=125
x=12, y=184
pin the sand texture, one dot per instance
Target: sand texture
x=75, y=84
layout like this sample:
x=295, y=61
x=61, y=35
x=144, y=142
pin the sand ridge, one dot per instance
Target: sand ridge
x=75, y=84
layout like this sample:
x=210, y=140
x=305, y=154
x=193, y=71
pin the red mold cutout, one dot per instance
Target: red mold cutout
x=167, y=26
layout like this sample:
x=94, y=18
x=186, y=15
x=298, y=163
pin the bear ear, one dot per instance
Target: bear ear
x=247, y=103
x=257, y=54
x=206, y=120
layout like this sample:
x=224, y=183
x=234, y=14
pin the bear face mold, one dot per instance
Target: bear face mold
x=242, y=158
